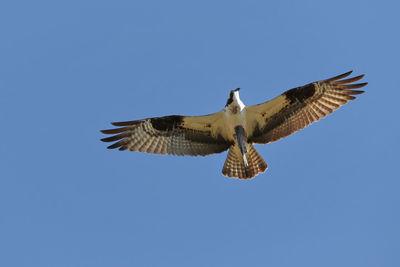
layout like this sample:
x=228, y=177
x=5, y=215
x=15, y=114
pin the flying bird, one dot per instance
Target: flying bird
x=237, y=126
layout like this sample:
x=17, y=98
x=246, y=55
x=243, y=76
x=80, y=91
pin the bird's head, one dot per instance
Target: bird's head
x=233, y=97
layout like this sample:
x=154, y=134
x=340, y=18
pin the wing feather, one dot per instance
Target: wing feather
x=176, y=135
x=299, y=107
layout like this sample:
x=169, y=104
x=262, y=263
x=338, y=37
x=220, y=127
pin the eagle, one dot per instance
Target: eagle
x=237, y=127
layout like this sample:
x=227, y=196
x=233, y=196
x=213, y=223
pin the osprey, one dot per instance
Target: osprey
x=237, y=127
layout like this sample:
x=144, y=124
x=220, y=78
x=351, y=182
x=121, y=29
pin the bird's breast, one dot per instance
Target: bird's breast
x=233, y=119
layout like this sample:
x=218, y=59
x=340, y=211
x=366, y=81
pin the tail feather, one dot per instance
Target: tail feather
x=235, y=164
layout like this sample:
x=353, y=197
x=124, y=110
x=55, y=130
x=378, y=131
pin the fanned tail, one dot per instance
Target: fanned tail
x=235, y=165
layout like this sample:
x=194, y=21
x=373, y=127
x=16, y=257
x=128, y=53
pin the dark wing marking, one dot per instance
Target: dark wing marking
x=176, y=135
x=299, y=107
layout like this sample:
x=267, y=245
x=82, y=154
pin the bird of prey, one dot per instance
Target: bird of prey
x=237, y=127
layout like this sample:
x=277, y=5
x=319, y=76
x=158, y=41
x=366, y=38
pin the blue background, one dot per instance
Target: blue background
x=329, y=198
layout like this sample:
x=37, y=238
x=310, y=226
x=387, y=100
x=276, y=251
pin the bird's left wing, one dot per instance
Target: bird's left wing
x=176, y=135
x=299, y=107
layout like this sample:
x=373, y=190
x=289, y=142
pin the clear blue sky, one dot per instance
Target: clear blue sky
x=329, y=198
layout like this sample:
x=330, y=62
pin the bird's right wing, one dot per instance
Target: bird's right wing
x=299, y=107
x=176, y=135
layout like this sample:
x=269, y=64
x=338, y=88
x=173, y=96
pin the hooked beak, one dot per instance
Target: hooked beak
x=236, y=90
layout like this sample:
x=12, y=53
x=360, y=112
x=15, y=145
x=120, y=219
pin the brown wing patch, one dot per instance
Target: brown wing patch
x=300, y=93
x=166, y=123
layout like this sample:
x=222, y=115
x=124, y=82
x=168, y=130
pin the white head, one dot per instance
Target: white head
x=234, y=99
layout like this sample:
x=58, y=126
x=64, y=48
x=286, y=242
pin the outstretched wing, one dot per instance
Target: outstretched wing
x=299, y=107
x=176, y=135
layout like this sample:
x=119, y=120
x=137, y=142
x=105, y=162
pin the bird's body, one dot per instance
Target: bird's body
x=236, y=127
x=234, y=114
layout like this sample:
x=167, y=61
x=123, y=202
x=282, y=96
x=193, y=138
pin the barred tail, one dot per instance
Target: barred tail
x=235, y=167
